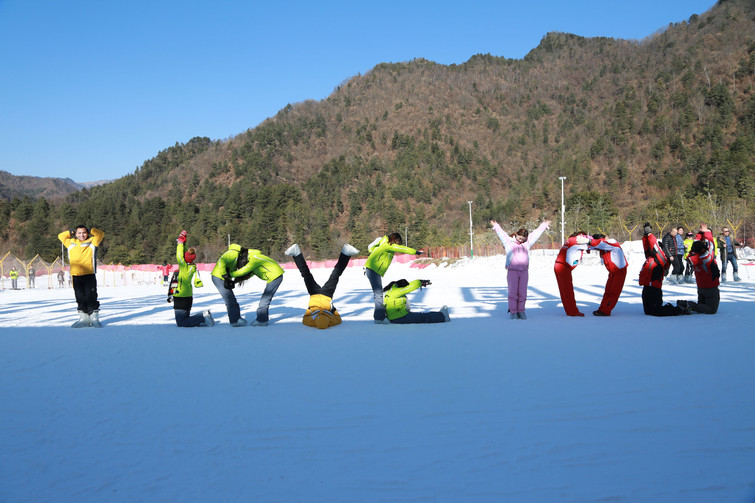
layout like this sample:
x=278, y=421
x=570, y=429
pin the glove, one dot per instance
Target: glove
x=583, y=240
x=424, y=282
x=182, y=237
x=72, y=232
x=647, y=229
x=228, y=282
x=420, y=252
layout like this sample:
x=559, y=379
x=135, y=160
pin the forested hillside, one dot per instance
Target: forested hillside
x=661, y=129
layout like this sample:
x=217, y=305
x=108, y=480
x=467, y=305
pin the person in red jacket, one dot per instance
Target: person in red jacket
x=165, y=269
x=703, y=258
x=616, y=262
x=651, y=278
x=568, y=258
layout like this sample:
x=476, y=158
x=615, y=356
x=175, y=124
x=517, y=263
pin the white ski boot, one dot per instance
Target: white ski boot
x=256, y=323
x=83, y=320
x=208, y=319
x=723, y=278
x=736, y=277
x=94, y=320
x=293, y=250
x=241, y=322
x=444, y=310
x=349, y=250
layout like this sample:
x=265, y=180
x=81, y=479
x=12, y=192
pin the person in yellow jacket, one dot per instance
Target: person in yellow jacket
x=183, y=294
x=13, y=279
x=382, y=251
x=82, y=257
x=237, y=265
x=397, y=305
x=321, y=312
x=689, y=277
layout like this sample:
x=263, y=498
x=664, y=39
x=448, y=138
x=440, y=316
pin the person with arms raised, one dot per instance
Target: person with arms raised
x=82, y=245
x=183, y=293
x=518, y=263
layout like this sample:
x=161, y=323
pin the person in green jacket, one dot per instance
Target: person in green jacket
x=381, y=255
x=397, y=305
x=183, y=294
x=236, y=266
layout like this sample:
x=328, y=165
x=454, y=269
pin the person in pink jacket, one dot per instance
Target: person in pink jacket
x=518, y=263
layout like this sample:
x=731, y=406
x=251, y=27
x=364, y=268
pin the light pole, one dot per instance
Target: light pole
x=563, y=208
x=471, y=243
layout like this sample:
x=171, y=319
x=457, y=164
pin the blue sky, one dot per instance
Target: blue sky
x=89, y=90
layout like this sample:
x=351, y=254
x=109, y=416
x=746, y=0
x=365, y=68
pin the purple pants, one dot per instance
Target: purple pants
x=518, y=289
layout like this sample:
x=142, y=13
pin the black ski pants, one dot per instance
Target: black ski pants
x=329, y=288
x=85, y=289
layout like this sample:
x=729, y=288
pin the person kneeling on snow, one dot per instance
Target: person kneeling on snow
x=183, y=292
x=651, y=278
x=397, y=305
x=321, y=312
x=703, y=257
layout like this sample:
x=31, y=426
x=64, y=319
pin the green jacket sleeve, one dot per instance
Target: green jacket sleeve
x=402, y=249
x=180, y=254
x=401, y=292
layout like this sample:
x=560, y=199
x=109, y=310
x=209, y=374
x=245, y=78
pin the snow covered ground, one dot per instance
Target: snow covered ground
x=627, y=408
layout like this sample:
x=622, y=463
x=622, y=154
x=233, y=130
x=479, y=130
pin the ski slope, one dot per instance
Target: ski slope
x=482, y=409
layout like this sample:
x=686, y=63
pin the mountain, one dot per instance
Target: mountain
x=18, y=186
x=94, y=183
x=661, y=129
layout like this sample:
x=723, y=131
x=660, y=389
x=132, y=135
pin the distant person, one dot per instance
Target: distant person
x=651, y=278
x=183, y=294
x=32, y=277
x=680, y=252
x=165, y=270
x=669, y=249
x=237, y=265
x=321, y=312
x=82, y=258
x=615, y=261
x=61, y=279
x=689, y=268
x=727, y=247
x=14, y=279
x=567, y=260
x=703, y=257
x=518, y=263
x=381, y=255
x=397, y=305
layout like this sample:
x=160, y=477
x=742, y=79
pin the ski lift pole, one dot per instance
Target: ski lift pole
x=471, y=232
x=2, y=271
